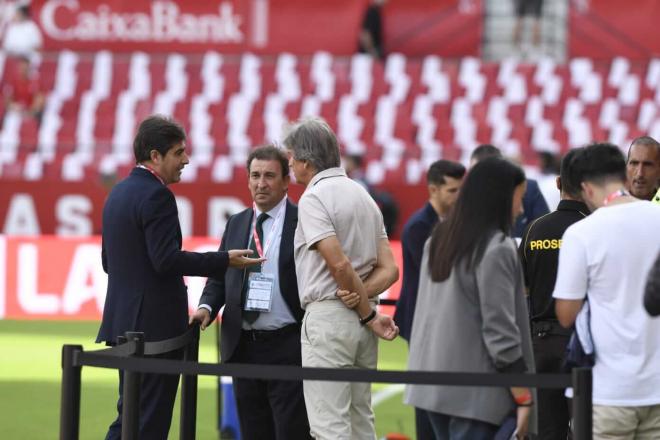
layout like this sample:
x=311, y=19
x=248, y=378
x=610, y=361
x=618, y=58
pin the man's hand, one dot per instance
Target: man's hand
x=350, y=299
x=202, y=316
x=238, y=258
x=384, y=327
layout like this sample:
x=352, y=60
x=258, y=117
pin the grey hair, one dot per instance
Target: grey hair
x=312, y=140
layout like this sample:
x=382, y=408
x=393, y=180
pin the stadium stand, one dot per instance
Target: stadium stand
x=401, y=115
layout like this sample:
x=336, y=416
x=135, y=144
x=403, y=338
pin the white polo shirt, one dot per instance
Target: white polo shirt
x=334, y=205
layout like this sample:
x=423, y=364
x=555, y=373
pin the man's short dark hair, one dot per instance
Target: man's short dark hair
x=597, y=163
x=269, y=152
x=567, y=185
x=441, y=168
x=483, y=151
x=646, y=141
x=158, y=133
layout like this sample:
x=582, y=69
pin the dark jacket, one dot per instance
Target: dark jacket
x=652, y=293
x=227, y=290
x=141, y=252
x=415, y=233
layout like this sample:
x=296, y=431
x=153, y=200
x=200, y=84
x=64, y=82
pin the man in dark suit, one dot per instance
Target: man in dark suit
x=262, y=317
x=141, y=252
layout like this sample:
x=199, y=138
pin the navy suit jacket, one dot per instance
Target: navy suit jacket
x=415, y=233
x=227, y=290
x=141, y=252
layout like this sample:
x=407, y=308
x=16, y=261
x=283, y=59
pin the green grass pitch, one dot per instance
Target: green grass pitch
x=30, y=376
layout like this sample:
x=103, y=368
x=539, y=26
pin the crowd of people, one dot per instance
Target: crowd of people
x=299, y=286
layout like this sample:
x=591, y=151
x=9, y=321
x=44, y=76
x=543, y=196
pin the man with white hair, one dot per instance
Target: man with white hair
x=340, y=246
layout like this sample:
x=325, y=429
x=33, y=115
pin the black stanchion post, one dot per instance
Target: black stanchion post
x=130, y=415
x=189, y=392
x=219, y=394
x=70, y=403
x=582, y=404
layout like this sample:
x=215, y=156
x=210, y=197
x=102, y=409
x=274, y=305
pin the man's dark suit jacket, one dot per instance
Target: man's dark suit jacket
x=142, y=255
x=227, y=290
x=415, y=233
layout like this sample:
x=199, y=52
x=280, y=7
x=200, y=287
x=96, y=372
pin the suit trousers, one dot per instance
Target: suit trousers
x=157, y=396
x=423, y=427
x=332, y=337
x=270, y=409
x=553, y=407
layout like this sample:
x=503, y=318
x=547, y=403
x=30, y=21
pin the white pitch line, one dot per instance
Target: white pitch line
x=386, y=393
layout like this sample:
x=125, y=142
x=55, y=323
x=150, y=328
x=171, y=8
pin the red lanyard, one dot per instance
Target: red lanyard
x=614, y=195
x=257, y=242
x=144, y=167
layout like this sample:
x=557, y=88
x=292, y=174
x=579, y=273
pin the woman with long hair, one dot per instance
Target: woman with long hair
x=471, y=314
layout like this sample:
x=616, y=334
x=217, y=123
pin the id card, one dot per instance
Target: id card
x=260, y=292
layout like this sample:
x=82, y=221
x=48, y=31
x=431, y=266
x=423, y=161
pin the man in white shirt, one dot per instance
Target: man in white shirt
x=607, y=257
x=23, y=37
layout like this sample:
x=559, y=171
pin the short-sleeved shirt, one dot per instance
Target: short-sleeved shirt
x=607, y=257
x=539, y=252
x=334, y=205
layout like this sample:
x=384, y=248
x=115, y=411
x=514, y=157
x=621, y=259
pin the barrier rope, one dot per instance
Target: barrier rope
x=292, y=372
x=151, y=348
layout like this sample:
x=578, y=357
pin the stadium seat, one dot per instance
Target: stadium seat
x=400, y=114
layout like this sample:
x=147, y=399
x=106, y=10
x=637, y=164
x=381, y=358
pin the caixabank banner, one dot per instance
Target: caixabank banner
x=49, y=277
x=411, y=27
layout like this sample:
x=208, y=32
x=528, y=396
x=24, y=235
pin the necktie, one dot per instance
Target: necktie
x=251, y=316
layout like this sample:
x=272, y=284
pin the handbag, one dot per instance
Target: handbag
x=507, y=429
x=580, y=349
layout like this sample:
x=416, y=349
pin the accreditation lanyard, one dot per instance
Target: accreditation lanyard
x=271, y=234
x=614, y=195
x=144, y=167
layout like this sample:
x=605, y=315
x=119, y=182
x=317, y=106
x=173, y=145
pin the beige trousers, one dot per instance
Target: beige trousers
x=626, y=422
x=332, y=337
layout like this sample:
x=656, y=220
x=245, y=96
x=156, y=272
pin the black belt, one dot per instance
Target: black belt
x=543, y=328
x=267, y=335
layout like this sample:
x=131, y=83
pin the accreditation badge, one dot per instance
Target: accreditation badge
x=260, y=292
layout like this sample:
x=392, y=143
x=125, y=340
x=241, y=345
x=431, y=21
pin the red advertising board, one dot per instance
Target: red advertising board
x=422, y=27
x=51, y=277
x=261, y=26
x=75, y=209
x=611, y=28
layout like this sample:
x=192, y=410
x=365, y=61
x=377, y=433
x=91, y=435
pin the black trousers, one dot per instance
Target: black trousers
x=270, y=409
x=423, y=427
x=157, y=395
x=553, y=407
